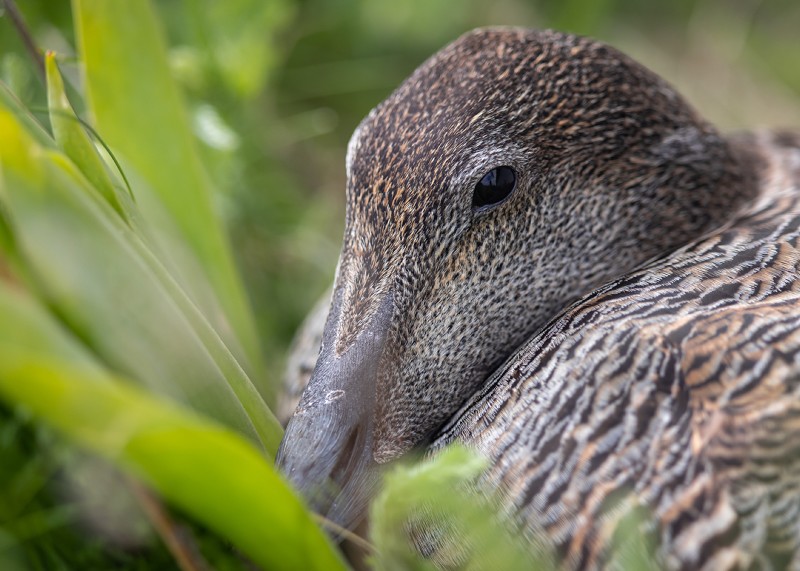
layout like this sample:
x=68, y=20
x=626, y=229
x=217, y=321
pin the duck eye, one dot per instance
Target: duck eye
x=495, y=186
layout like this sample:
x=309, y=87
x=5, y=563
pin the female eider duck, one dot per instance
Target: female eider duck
x=550, y=257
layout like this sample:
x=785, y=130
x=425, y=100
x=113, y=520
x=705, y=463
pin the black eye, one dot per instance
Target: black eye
x=494, y=187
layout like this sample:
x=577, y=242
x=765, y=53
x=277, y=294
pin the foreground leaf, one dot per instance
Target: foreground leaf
x=25, y=325
x=10, y=102
x=74, y=141
x=202, y=468
x=138, y=109
x=109, y=289
x=436, y=503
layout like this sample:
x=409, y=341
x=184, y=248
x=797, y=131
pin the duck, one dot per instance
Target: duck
x=551, y=258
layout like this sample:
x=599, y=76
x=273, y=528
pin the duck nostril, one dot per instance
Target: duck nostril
x=348, y=456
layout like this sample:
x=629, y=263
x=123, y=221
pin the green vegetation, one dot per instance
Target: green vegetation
x=471, y=534
x=169, y=209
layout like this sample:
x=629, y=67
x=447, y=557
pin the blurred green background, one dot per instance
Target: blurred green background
x=276, y=87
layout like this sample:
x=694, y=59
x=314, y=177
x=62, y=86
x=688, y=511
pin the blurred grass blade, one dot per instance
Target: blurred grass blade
x=139, y=111
x=240, y=39
x=73, y=140
x=7, y=246
x=205, y=470
x=10, y=557
x=102, y=281
x=9, y=101
x=436, y=501
x=27, y=326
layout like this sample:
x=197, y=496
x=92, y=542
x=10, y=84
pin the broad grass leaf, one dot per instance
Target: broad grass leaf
x=25, y=325
x=204, y=469
x=110, y=290
x=139, y=111
x=10, y=102
x=74, y=141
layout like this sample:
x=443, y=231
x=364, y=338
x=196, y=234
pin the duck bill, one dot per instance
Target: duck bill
x=326, y=452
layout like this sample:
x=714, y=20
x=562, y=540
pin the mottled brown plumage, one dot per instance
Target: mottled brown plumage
x=679, y=383
x=676, y=384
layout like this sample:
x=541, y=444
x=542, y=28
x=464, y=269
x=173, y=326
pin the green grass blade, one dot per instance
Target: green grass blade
x=7, y=247
x=73, y=140
x=9, y=101
x=99, y=277
x=204, y=469
x=138, y=109
x=27, y=326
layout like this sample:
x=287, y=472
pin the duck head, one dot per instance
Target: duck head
x=512, y=172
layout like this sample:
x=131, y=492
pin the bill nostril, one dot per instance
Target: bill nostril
x=327, y=451
x=348, y=456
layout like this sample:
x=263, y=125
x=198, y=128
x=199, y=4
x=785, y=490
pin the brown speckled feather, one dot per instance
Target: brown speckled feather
x=679, y=383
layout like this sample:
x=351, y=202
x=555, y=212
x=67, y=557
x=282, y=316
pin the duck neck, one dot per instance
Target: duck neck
x=743, y=167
